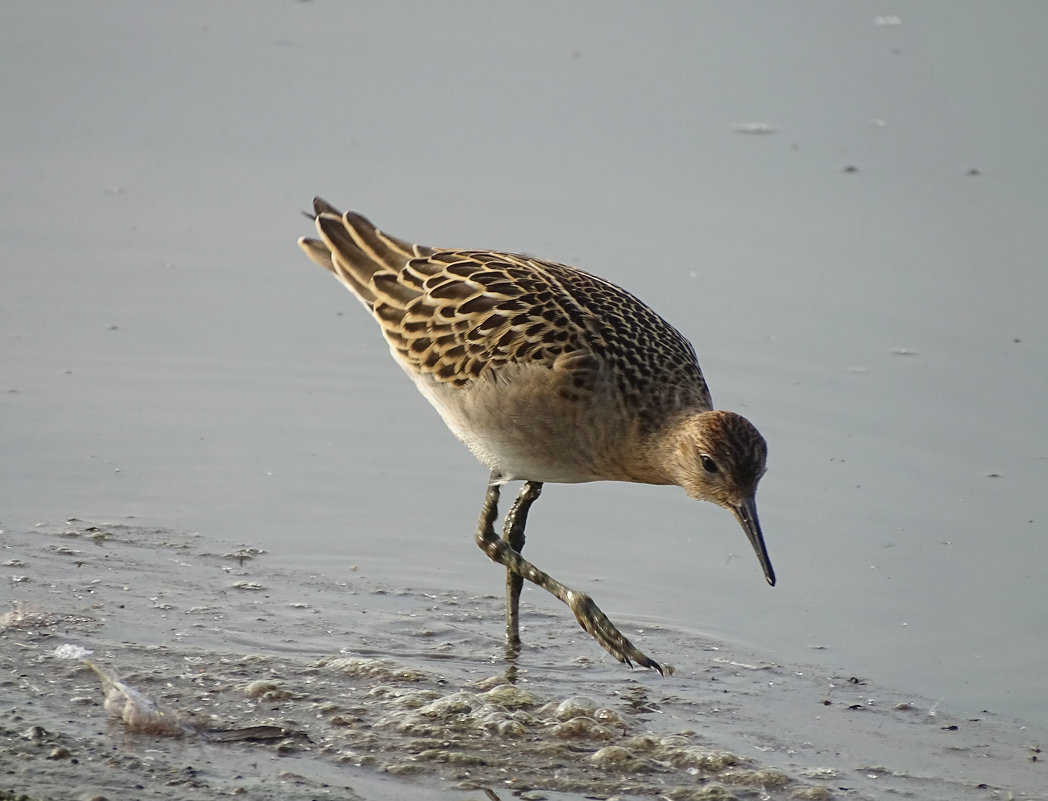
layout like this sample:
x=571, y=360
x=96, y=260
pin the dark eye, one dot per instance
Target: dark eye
x=708, y=464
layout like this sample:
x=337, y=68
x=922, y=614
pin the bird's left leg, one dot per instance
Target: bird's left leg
x=513, y=534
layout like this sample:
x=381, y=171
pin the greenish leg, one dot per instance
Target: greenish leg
x=513, y=535
x=502, y=552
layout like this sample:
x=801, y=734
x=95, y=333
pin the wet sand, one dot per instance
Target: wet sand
x=372, y=691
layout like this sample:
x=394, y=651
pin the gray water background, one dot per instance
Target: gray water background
x=167, y=354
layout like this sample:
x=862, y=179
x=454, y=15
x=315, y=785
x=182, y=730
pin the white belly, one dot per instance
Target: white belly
x=519, y=428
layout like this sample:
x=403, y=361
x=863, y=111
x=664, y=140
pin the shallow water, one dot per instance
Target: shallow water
x=167, y=355
x=419, y=700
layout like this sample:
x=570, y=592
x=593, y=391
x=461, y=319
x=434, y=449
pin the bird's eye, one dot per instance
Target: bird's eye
x=708, y=464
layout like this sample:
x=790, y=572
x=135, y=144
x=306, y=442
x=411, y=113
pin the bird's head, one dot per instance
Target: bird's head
x=720, y=457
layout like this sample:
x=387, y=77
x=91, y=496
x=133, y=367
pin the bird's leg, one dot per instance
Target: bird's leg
x=513, y=535
x=586, y=611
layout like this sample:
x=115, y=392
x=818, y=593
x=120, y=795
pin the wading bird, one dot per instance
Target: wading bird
x=548, y=374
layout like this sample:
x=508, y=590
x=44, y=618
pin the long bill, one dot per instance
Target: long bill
x=746, y=513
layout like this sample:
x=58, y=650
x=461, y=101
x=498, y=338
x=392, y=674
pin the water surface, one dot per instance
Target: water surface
x=865, y=282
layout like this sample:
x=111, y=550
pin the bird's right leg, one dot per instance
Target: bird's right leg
x=586, y=611
x=513, y=534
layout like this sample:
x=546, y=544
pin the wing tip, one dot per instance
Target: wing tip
x=317, y=252
x=321, y=206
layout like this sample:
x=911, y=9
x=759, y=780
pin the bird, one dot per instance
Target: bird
x=548, y=374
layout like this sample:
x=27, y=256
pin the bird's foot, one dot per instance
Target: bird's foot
x=604, y=631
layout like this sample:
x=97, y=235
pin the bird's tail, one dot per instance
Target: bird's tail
x=352, y=248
